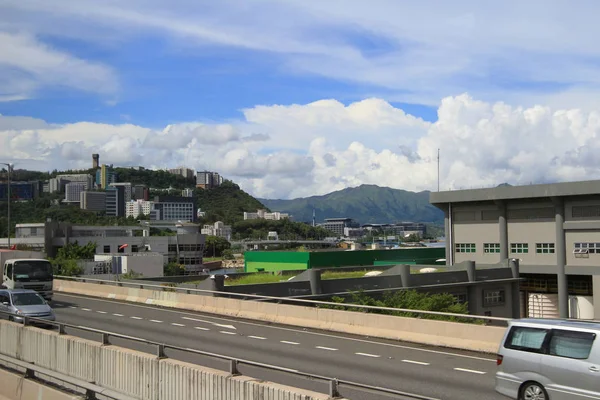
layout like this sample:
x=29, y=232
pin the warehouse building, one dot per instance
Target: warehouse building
x=553, y=229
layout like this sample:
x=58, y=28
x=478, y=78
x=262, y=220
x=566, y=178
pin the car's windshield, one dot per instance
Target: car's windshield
x=29, y=270
x=27, y=299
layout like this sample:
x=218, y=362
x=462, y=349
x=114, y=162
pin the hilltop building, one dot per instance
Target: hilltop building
x=208, y=179
x=263, y=214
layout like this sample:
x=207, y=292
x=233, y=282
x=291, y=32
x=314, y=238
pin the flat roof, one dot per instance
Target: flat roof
x=581, y=188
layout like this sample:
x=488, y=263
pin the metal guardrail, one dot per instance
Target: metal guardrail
x=245, y=296
x=35, y=371
x=334, y=383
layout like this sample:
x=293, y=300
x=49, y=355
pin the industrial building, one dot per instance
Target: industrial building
x=256, y=261
x=339, y=225
x=553, y=229
x=186, y=247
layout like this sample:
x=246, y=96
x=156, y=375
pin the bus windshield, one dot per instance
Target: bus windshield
x=32, y=270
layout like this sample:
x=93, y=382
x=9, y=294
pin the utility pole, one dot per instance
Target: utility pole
x=8, y=200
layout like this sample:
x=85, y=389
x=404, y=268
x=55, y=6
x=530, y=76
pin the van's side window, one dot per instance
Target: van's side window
x=9, y=270
x=571, y=344
x=526, y=339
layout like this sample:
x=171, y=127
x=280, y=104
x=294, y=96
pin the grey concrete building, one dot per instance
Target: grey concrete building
x=553, y=229
x=92, y=201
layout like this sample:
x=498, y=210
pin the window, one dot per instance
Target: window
x=526, y=339
x=587, y=248
x=571, y=344
x=519, y=248
x=493, y=298
x=9, y=270
x=172, y=248
x=465, y=247
x=585, y=211
x=544, y=248
x=106, y=249
x=134, y=248
x=491, y=247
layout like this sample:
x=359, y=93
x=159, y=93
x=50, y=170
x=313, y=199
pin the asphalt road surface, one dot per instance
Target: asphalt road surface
x=427, y=371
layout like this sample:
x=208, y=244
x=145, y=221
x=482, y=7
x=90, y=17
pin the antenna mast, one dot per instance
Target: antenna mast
x=438, y=169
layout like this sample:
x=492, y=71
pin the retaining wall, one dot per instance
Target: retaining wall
x=16, y=387
x=133, y=373
x=437, y=333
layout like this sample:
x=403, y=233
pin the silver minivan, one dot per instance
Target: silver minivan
x=554, y=359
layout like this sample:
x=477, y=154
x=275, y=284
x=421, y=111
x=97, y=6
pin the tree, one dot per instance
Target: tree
x=215, y=245
x=66, y=259
x=227, y=254
x=174, y=269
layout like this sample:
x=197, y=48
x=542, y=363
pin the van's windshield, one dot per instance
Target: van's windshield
x=32, y=270
x=27, y=299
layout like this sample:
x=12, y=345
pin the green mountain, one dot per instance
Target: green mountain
x=365, y=203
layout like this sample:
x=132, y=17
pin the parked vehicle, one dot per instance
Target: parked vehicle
x=24, y=273
x=541, y=359
x=25, y=303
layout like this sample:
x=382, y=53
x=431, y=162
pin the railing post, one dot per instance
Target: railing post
x=333, y=388
x=61, y=329
x=160, y=351
x=105, y=341
x=90, y=395
x=29, y=373
x=25, y=321
x=233, y=367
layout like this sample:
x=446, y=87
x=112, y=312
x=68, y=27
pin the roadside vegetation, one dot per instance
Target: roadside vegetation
x=407, y=299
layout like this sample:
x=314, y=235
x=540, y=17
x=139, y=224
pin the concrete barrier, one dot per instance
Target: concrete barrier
x=15, y=387
x=139, y=375
x=423, y=331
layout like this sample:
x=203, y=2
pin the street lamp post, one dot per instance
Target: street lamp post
x=8, y=199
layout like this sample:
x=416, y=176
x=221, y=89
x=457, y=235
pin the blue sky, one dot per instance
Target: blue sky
x=262, y=88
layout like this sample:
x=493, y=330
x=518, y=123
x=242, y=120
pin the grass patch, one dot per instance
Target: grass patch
x=342, y=274
x=258, y=278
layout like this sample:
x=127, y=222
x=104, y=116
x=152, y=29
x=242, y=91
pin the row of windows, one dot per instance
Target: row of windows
x=515, y=248
x=554, y=342
x=172, y=248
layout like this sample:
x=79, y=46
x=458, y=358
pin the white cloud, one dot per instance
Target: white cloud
x=310, y=151
x=26, y=65
x=514, y=51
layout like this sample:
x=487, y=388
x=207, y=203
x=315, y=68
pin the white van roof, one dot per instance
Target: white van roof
x=557, y=322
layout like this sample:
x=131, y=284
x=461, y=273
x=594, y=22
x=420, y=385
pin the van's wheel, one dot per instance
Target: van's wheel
x=533, y=391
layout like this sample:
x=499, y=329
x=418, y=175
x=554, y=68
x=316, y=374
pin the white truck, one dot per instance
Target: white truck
x=27, y=273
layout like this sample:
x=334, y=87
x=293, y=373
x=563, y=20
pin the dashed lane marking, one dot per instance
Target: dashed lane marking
x=136, y=317
x=469, y=370
x=176, y=324
x=118, y=315
x=415, y=362
x=326, y=348
x=286, y=342
x=200, y=328
x=86, y=309
x=227, y=333
x=367, y=355
x=257, y=337
x=101, y=312
x=156, y=321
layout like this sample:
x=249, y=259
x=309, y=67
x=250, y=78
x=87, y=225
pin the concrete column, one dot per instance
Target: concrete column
x=405, y=275
x=471, y=271
x=515, y=289
x=314, y=277
x=561, y=258
x=503, y=231
x=447, y=228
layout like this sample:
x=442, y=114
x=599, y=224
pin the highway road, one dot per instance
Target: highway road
x=429, y=371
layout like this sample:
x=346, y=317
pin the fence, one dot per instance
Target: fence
x=334, y=384
x=286, y=300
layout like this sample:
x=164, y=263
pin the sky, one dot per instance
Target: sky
x=305, y=97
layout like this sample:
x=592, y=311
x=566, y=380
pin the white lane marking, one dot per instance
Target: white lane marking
x=326, y=348
x=175, y=324
x=228, y=333
x=257, y=337
x=210, y=322
x=469, y=370
x=286, y=342
x=86, y=309
x=201, y=328
x=72, y=307
x=118, y=315
x=173, y=310
x=136, y=317
x=156, y=320
x=367, y=355
x=101, y=312
x=415, y=362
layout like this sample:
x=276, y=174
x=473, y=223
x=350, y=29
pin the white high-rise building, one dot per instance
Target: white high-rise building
x=263, y=214
x=135, y=208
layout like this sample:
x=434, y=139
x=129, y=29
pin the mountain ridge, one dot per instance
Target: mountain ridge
x=366, y=203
